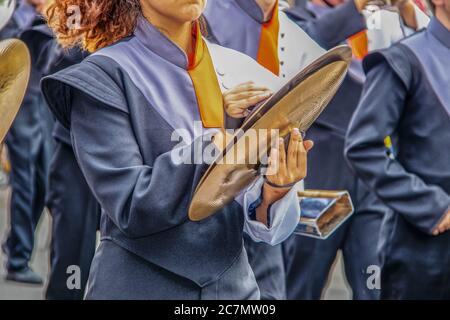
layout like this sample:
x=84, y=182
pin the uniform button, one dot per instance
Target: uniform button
x=281, y=63
x=220, y=72
x=282, y=48
x=226, y=84
x=284, y=76
x=282, y=35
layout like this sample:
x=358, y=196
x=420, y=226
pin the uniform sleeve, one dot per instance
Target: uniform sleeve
x=283, y=214
x=377, y=116
x=140, y=199
x=334, y=27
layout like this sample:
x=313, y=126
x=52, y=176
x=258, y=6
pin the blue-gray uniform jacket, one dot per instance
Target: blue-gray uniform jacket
x=122, y=105
x=407, y=96
x=358, y=237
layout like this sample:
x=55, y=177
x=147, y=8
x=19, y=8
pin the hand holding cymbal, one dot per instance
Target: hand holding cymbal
x=286, y=168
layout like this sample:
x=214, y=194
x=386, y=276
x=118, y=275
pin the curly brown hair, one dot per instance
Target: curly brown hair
x=102, y=22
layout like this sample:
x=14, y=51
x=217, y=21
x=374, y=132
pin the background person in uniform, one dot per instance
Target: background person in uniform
x=407, y=96
x=330, y=23
x=74, y=210
x=30, y=147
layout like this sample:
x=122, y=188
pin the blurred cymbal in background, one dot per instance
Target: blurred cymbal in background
x=15, y=65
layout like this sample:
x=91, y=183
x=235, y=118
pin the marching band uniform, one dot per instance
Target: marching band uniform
x=122, y=105
x=304, y=256
x=30, y=147
x=74, y=210
x=320, y=22
x=357, y=238
x=407, y=96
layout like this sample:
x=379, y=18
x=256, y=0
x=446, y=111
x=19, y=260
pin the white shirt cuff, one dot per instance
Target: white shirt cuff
x=284, y=214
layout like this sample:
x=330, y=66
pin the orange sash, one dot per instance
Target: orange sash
x=206, y=86
x=268, y=43
x=359, y=44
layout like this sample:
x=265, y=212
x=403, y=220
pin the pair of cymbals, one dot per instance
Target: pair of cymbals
x=15, y=65
x=296, y=105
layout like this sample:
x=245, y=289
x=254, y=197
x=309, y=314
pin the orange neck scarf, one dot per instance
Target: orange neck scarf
x=207, y=90
x=359, y=44
x=268, y=43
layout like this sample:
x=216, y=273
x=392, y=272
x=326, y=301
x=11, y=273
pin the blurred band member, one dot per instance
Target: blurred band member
x=269, y=34
x=358, y=237
x=30, y=147
x=406, y=96
x=74, y=210
x=152, y=73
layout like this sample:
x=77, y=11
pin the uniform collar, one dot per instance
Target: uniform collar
x=437, y=29
x=157, y=42
x=317, y=9
x=252, y=9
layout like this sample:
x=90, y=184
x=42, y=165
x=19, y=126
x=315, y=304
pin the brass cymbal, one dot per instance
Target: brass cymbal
x=297, y=105
x=15, y=67
x=7, y=8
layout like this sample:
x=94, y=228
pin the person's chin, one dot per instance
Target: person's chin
x=192, y=17
x=194, y=10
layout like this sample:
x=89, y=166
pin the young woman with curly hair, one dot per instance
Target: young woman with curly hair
x=151, y=73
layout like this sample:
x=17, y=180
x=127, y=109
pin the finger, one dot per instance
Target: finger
x=253, y=87
x=235, y=108
x=273, y=162
x=292, y=149
x=435, y=232
x=232, y=112
x=256, y=99
x=247, y=86
x=281, y=157
x=238, y=115
x=444, y=226
x=246, y=103
x=238, y=88
x=301, y=153
x=253, y=100
x=308, y=144
x=237, y=97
